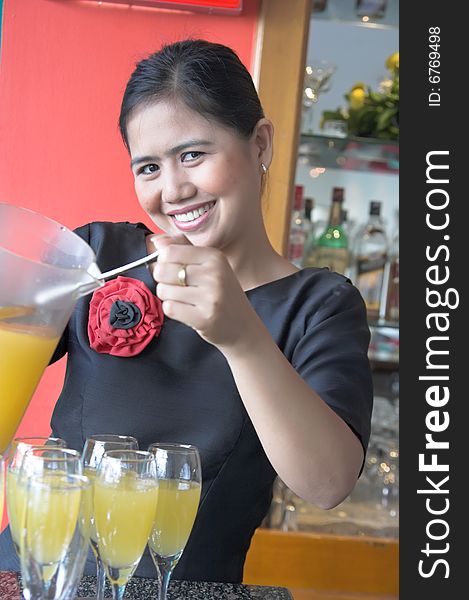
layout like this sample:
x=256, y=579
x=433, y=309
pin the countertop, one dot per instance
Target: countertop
x=144, y=589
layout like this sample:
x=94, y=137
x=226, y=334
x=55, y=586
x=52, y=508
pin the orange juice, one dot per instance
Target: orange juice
x=50, y=519
x=124, y=513
x=175, y=513
x=1, y=489
x=24, y=354
x=91, y=474
x=15, y=498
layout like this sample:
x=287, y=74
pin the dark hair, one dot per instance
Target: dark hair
x=209, y=78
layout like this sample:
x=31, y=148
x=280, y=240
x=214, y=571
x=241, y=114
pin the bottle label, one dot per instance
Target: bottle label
x=336, y=259
x=296, y=245
x=393, y=292
x=370, y=275
x=295, y=251
x=298, y=202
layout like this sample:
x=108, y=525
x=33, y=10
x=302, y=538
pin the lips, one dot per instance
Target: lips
x=193, y=218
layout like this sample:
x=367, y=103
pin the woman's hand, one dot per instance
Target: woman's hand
x=212, y=302
x=320, y=456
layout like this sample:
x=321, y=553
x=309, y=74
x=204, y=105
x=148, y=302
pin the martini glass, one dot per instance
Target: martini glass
x=317, y=80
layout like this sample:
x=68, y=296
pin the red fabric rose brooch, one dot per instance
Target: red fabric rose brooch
x=124, y=317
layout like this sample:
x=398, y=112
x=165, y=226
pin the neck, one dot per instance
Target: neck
x=256, y=262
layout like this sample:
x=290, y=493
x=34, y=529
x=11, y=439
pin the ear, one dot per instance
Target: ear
x=262, y=139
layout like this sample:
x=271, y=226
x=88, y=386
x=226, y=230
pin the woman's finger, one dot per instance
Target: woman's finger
x=173, y=273
x=188, y=254
x=163, y=240
x=185, y=313
x=178, y=293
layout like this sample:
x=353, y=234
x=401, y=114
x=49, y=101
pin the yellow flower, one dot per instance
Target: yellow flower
x=358, y=86
x=392, y=61
x=357, y=98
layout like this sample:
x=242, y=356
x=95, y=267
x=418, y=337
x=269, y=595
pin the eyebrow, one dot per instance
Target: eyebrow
x=171, y=152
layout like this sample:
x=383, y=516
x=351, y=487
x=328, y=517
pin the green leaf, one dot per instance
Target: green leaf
x=385, y=118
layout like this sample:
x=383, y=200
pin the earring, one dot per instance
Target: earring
x=264, y=168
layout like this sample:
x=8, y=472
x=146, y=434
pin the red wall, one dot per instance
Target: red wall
x=63, y=69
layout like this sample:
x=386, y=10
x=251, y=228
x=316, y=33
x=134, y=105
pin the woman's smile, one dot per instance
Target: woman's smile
x=189, y=219
x=187, y=171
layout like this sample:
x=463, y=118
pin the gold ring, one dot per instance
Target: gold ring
x=182, y=276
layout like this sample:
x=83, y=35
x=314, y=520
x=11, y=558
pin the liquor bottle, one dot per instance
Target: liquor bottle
x=332, y=245
x=311, y=232
x=298, y=229
x=348, y=224
x=391, y=308
x=371, y=252
x=308, y=214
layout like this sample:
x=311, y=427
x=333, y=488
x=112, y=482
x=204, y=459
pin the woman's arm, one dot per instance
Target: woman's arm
x=312, y=449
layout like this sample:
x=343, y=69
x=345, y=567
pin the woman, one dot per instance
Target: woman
x=262, y=366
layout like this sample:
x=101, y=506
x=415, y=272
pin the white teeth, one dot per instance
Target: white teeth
x=193, y=214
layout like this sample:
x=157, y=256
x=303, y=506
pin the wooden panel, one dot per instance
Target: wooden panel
x=284, y=29
x=317, y=595
x=308, y=561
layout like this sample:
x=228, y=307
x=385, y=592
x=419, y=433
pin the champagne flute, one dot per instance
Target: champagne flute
x=179, y=482
x=93, y=450
x=125, y=499
x=44, y=492
x=19, y=447
x=55, y=530
x=40, y=462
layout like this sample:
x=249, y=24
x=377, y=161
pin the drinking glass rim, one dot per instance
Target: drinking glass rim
x=67, y=451
x=173, y=446
x=138, y=455
x=18, y=441
x=109, y=437
x=36, y=437
x=12, y=469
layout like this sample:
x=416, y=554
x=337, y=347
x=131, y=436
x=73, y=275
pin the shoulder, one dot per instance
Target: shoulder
x=325, y=294
x=99, y=230
x=309, y=287
x=320, y=280
x=308, y=300
x=328, y=287
x=115, y=243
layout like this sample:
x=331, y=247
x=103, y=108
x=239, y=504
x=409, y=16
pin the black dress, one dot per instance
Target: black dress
x=180, y=389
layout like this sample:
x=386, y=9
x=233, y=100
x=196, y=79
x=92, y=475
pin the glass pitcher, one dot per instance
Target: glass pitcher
x=44, y=269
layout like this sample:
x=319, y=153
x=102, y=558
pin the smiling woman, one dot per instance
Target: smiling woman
x=261, y=366
x=206, y=185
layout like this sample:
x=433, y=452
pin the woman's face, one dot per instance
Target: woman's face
x=194, y=176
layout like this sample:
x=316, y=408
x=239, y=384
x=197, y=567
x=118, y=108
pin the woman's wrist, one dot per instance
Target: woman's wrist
x=253, y=339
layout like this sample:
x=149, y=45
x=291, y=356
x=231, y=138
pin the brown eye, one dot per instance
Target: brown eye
x=148, y=169
x=190, y=156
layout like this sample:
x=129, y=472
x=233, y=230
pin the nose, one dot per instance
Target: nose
x=177, y=186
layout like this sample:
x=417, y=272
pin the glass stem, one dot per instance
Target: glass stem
x=165, y=569
x=100, y=579
x=118, y=591
x=307, y=116
x=164, y=583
